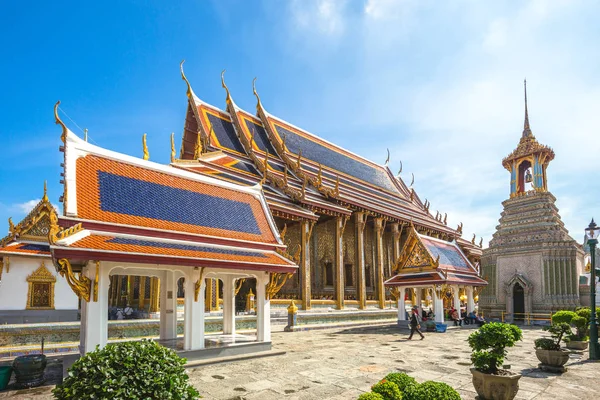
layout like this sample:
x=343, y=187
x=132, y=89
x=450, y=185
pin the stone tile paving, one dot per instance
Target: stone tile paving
x=339, y=364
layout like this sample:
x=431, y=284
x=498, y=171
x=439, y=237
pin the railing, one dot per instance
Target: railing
x=527, y=318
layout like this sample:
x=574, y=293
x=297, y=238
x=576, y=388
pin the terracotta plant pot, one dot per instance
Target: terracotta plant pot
x=495, y=387
x=552, y=358
x=29, y=370
x=577, y=345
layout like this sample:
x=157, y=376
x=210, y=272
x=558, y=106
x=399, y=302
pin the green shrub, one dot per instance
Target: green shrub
x=401, y=380
x=370, y=396
x=564, y=316
x=129, y=370
x=586, y=314
x=545, y=344
x=581, y=326
x=387, y=390
x=557, y=331
x=489, y=345
x=436, y=390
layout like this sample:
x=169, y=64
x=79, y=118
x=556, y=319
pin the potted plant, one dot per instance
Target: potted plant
x=581, y=322
x=489, y=345
x=548, y=351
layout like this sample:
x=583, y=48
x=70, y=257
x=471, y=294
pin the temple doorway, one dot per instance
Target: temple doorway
x=518, y=303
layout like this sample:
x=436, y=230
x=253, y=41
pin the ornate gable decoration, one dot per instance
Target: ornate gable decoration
x=414, y=255
x=34, y=226
x=40, y=292
x=42, y=274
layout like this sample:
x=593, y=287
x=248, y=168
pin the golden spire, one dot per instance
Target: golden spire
x=172, y=147
x=189, y=87
x=225, y=87
x=258, y=104
x=400, y=170
x=45, y=196
x=387, y=160
x=526, y=127
x=145, y=148
x=58, y=121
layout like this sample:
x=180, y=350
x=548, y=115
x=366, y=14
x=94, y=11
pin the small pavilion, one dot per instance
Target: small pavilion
x=129, y=216
x=433, y=270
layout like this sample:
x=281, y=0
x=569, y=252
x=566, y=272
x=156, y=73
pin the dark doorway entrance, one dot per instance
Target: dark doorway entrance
x=518, y=303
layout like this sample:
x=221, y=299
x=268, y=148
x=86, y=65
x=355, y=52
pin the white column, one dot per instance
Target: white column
x=193, y=331
x=419, y=300
x=470, y=300
x=228, y=305
x=94, y=314
x=263, y=308
x=168, y=305
x=401, y=307
x=457, y=300
x=438, y=307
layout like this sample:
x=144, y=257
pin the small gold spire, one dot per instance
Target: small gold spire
x=258, y=103
x=45, y=196
x=387, y=160
x=189, y=87
x=526, y=127
x=320, y=176
x=145, y=148
x=172, y=147
x=57, y=120
x=228, y=99
x=400, y=170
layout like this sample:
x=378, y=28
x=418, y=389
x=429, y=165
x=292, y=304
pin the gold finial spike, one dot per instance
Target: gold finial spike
x=145, y=148
x=473, y=240
x=228, y=99
x=45, y=196
x=189, y=87
x=258, y=103
x=481, y=242
x=85, y=135
x=57, y=120
x=412, y=182
x=400, y=170
x=526, y=127
x=387, y=160
x=172, y=147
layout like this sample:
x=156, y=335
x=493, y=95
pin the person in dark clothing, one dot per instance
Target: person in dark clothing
x=414, y=324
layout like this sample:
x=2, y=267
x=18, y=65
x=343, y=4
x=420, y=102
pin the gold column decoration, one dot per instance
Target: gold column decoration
x=208, y=295
x=145, y=148
x=361, y=289
x=154, y=294
x=250, y=301
x=80, y=284
x=379, y=229
x=306, y=231
x=238, y=285
x=130, y=281
x=198, y=284
x=117, y=298
x=276, y=282
x=96, y=279
x=340, y=226
x=142, y=292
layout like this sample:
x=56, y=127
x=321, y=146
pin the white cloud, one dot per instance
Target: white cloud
x=324, y=17
x=25, y=207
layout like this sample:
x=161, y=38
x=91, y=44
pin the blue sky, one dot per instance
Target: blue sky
x=438, y=83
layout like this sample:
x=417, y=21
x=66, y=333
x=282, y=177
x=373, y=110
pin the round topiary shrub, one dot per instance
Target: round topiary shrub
x=401, y=380
x=435, y=390
x=387, y=390
x=370, y=396
x=128, y=370
x=563, y=317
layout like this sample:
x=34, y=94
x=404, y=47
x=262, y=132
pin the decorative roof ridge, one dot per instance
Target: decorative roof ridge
x=104, y=229
x=192, y=95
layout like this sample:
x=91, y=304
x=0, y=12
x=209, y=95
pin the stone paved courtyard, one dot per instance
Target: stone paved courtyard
x=342, y=363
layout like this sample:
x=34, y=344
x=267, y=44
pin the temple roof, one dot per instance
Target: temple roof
x=428, y=260
x=119, y=207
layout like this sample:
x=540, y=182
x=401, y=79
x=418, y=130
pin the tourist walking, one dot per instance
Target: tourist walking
x=414, y=324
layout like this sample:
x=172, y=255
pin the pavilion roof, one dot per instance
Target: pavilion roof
x=119, y=207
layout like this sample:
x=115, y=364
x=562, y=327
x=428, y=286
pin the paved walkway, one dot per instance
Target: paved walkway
x=342, y=363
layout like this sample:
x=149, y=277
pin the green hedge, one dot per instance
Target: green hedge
x=129, y=370
x=401, y=386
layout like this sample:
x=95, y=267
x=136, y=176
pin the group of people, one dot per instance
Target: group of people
x=415, y=320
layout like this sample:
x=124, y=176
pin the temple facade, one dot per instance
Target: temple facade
x=532, y=264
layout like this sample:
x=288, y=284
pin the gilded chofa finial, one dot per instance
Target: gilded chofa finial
x=189, y=87
x=172, y=147
x=445, y=218
x=258, y=102
x=57, y=120
x=473, y=240
x=45, y=196
x=145, y=148
x=481, y=242
x=387, y=160
x=400, y=170
x=412, y=182
x=228, y=99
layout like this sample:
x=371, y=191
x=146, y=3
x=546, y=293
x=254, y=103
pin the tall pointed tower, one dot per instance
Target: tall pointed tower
x=532, y=264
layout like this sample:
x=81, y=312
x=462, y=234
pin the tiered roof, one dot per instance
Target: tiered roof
x=120, y=208
x=430, y=261
x=306, y=171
